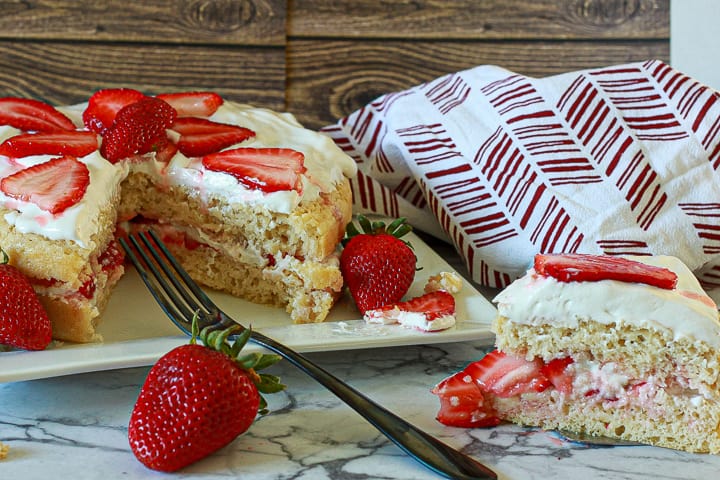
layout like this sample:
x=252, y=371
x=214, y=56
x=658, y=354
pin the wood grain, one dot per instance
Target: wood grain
x=238, y=22
x=61, y=72
x=330, y=79
x=476, y=19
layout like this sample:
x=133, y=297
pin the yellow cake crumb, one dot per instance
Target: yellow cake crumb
x=451, y=282
x=4, y=449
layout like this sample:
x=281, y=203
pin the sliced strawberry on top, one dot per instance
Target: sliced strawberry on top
x=32, y=115
x=265, y=169
x=462, y=403
x=507, y=375
x=556, y=371
x=200, y=137
x=76, y=143
x=53, y=186
x=433, y=305
x=138, y=128
x=592, y=268
x=193, y=104
x=104, y=105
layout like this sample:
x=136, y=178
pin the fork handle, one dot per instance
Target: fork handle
x=435, y=454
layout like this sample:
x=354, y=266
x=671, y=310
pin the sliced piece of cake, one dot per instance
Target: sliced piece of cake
x=618, y=347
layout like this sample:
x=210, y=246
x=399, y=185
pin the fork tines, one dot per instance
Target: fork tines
x=171, y=286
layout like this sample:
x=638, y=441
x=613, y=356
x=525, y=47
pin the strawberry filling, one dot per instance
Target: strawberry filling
x=108, y=263
x=473, y=397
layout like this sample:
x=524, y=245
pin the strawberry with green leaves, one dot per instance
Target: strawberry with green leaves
x=199, y=398
x=23, y=320
x=377, y=266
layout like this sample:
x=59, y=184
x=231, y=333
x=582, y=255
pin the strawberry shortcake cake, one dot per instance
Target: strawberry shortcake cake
x=619, y=347
x=250, y=201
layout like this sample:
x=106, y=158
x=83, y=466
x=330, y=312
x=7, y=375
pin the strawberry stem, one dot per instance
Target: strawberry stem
x=397, y=228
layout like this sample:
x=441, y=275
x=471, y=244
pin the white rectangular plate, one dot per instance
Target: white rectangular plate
x=136, y=332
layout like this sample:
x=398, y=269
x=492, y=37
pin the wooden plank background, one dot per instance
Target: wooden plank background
x=319, y=59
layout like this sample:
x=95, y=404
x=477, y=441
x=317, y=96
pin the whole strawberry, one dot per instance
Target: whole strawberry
x=197, y=399
x=23, y=320
x=377, y=266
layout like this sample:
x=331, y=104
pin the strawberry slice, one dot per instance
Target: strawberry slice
x=592, y=268
x=76, y=143
x=556, y=372
x=462, y=403
x=265, y=169
x=200, y=137
x=419, y=312
x=53, y=186
x=103, y=105
x=32, y=115
x=138, y=128
x=507, y=375
x=193, y=104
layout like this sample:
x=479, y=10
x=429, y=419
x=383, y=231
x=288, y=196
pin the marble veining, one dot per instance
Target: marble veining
x=76, y=427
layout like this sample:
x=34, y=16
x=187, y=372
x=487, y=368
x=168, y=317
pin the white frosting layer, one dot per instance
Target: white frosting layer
x=326, y=165
x=686, y=311
x=417, y=320
x=79, y=222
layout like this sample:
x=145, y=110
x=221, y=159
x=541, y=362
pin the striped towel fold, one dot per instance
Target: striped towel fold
x=616, y=160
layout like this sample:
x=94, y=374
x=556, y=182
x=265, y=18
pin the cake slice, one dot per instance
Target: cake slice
x=618, y=347
x=58, y=200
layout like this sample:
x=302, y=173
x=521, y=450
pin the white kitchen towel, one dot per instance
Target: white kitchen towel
x=616, y=160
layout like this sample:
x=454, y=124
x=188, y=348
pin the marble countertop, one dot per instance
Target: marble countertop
x=76, y=427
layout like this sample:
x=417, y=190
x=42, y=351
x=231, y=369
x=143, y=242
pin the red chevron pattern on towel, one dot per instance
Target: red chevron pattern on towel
x=621, y=160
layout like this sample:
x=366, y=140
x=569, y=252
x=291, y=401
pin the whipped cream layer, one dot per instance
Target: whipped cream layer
x=686, y=311
x=79, y=222
x=325, y=162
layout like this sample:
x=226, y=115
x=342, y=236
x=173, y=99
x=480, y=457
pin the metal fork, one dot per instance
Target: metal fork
x=180, y=297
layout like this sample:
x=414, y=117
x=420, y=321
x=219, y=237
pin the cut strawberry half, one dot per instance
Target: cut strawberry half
x=507, y=375
x=75, y=143
x=462, y=403
x=138, y=128
x=429, y=312
x=193, y=104
x=593, y=268
x=556, y=372
x=53, y=186
x=32, y=115
x=265, y=169
x=104, y=105
x=200, y=137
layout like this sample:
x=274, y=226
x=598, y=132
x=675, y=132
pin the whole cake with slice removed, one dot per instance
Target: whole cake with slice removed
x=620, y=347
x=250, y=201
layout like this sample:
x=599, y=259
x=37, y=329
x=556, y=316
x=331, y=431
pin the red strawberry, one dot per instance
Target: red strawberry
x=53, y=186
x=507, y=375
x=556, y=372
x=377, y=266
x=462, y=403
x=592, y=268
x=266, y=169
x=23, y=320
x=434, y=305
x=32, y=115
x=428, y=307
x=75, y=143
x=196, y=400
x=193, y=104
x=200, y=137
x=138, y=128
x=104, y=105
